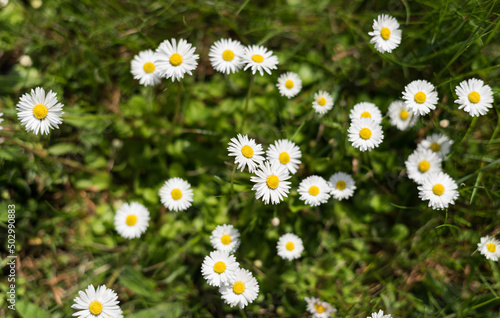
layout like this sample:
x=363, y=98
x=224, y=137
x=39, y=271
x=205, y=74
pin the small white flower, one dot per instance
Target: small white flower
x=25, y=60
x=226, y=56
x=143, y=67
x=314, y=190
x=1, y=119
x=440, y=189
x=270, y=184
x=365, y=134
x=219, y=268
x=100, y=303
x=176, y=194
x=289, y=84
x=342, y=185
x=3, y=3
x=420, y=97
x=380, y=314
x=323, y=102
x=36, y=4
x=400, y=116
x=438, y=143
x=225, y=238
x=474, y=97
x=131, y=220
x=241, y=290
x=174, y=59
x=286, y=153
x=421, y=163
x=259, y=59
x=39, y=112
x=386, y=33
x=290, y=246
x=246, y=152
x=489, y=247
x=319, y=308
x=366, y=110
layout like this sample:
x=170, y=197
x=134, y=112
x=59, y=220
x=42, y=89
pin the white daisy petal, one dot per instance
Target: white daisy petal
x=342, y=185
x=474, y=97
x=314, y=190
x=176, y=195
x=144, y=69
x=438, y=143
x=131, y=221
x=286, y=153
x=365, y=134
x=366, y=110
x=226, y=56
x=175, y=58
x=318, y=308
x=421, y=163
x=259, y=59
x=290, y=246
x=225, y=238
x=440, y=189
x=420, y=97
x=241, y=290
x=401, y=116
x=246, y=152
x=100, y=303
x=270, y=184
x=323, y=102
x=380, y=314
x=289, y=84
x=219, y=268
x=386, y=33
x=489, y=247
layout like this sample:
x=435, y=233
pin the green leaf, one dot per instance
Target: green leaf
x=26, y=309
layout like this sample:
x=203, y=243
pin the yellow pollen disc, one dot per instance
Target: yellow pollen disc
x=272, y=181
x=284, y=158
x=175, y=59
x=95, y=308
x=149, y=67
x=319, y=308
x=404, y=114
x=385, y=33
x=365, y=133
x=420, y=97
x=438, y=189
x=247, y=151
x=131, y=220
x=314, y=190
x=290, y=246
x=257, y=58
x=424, y=165
x=220, y=267
x=40, y=111
x=176, y=194
x=435, y=147
x=225, y=239
x=238, y=288
x=474, y=97
x=491, y=247
x=366, y=115
x=228, y=55
x=340, y=185
x=289, y=84
x=322, y=101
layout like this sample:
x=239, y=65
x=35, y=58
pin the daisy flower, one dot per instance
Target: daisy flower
x=246, y=152
x=365, y=134
x=174, y=59
x=289, y=84
x=366, y=110
x=219, y=268
x=143, y=68
x=176, y=194
x=286, y=153
x=420, y=97
x=489, y=247
x=100, y=303
x=380, y=314
x=259, y=59
x=440, y=189
x=270, y=184
x=39, y=112
x=422, y=163
x=131, y=220
x=400, y=116
x=342, y=185
x=474, y=97
x=386, y=33
x=225, y=238
x=289, y=246
x=241, y=290
x=323, y=102
x=314, y=190
x=319, y=308
x=1, y=119
x=438, y=143
x=226, y=56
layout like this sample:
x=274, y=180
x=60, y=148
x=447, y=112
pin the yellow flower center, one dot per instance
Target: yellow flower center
x=131, y=220
x=314, y=190
x=95, y=308
x=149, y=67
x=435, y=147
x=175, y=59
x=257, y=58
x=404, y=114
x=289, y=84
x=176, y=194
x=322, y=101
x=228, y=55
x=225, y=239
x=290, y=246
x=424, y=165
x=438, y=189
x=220, y=267
x=366, y=115
x=319, y=308
x=272, y=181
x=420, y=97
x=238, y=288
x=40, y=111
x=491, y=247
x=247, y=151
x=474, y=97
x=385, y=33
x=284, y=158
x=365, y=133
x=340, y=185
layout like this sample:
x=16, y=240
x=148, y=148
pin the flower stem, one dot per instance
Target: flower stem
x=114, y=276
x=247, y=100
x=178, y=105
